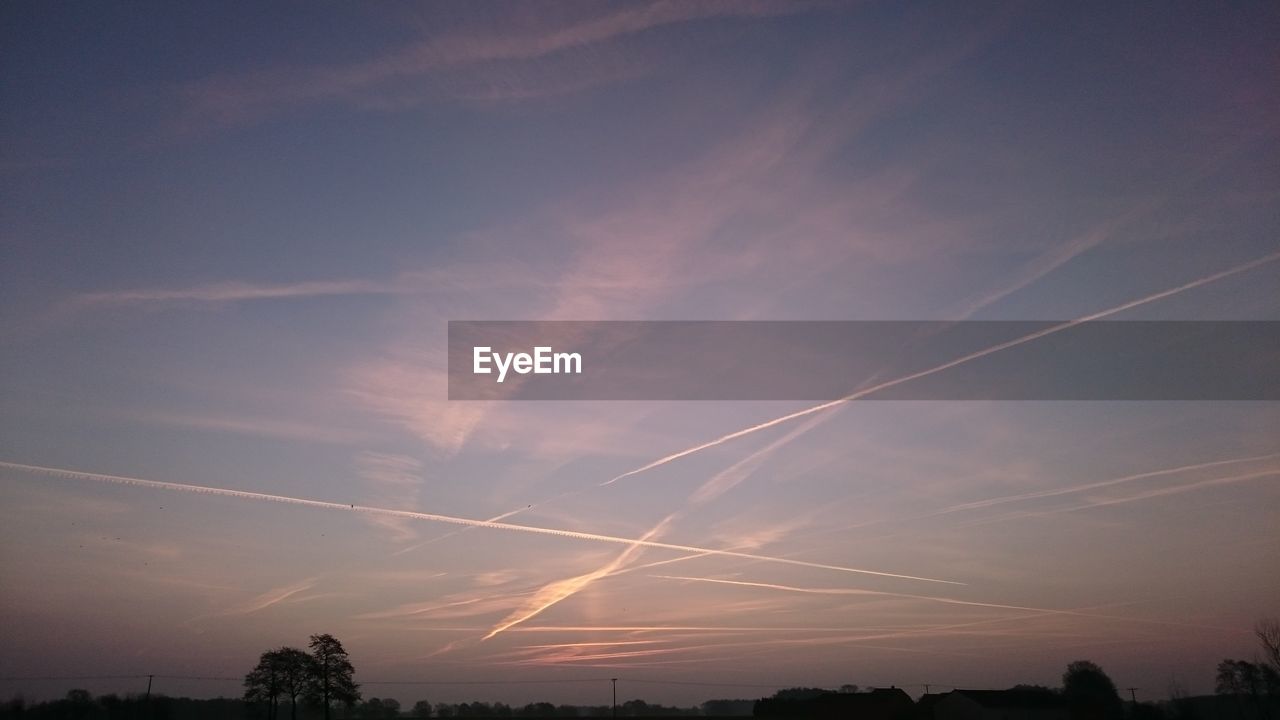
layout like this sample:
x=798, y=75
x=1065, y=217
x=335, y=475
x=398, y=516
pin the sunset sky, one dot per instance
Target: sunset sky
x=232, y=235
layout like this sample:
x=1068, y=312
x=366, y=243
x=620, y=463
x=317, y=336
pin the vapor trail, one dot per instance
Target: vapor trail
x=950, y=364
x=1057, y=492
x=1099, y=484
x=552, y=593
x=272, y=597
x=451, y=533
x=448, y=519
x=1159, y=492
x=560, y=590
x=930, y=598
x=859, y=591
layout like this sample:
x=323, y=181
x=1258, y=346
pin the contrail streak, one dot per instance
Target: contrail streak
x=1159, y=492
x=859, y=591
x=1057, y=492
x=451, y=533
x=854, y=640
x=950, y=364
x=552, y=593
x=948, y=601
x=560, y=590
x=271, y=597
x=448, y=519
x=1100, y=484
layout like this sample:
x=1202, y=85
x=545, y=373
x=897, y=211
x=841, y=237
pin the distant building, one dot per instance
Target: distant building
x=998, y=705
x=878, y=704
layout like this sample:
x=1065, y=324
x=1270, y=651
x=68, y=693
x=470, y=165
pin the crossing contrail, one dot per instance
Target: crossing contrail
x=449, y=519
x=949, y=364
x=1099, y=484
x=928, y=598
x=1071, y=490
x=560, y=590
x=1159, y=492
x=451, y=533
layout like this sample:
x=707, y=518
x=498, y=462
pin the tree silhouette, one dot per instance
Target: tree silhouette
x=380, y=708
x=331, y=672
x=1090, y=693
x=294, y=671
x=1241, y=679
x=1268, y=632
x=263, y=683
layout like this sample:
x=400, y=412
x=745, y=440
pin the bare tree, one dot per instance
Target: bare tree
x=262, y=684
x=1268, y=632
x=291, y=670
x=331, y=672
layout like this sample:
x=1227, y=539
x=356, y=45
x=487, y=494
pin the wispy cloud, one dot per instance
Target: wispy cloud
x=235, y=291
x=271, y=597
x=449, y=62
x=392, y=480
x=258, y=426
x=448, y=607
x=1059, y=255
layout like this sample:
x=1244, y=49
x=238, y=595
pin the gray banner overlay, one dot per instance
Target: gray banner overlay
x=889, y=360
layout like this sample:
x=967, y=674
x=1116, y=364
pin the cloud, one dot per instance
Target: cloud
x=625, y=252
x=258, y=426
x=394, y=480
x=444, y=62
x=448, y=607
x=271, y=597
x=1060, y=255
x=235, y=291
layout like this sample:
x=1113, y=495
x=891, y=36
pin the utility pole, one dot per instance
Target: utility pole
x=615, y=697
x=1133, y=694
x=148, y=696
x=926, y=688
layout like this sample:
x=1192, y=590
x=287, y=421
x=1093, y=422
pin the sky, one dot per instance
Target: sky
x=233, y=233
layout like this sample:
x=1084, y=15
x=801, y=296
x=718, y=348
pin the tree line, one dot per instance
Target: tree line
x=321, y=680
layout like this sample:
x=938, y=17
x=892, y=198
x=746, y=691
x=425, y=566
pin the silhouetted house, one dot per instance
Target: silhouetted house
x=1000, y=705
x=878, y=704
x=924, y=706
x=1226, y=707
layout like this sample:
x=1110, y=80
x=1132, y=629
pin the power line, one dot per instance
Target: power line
x=549, y=681
x=14, y=678
x=482, y=682
x=700, y=684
